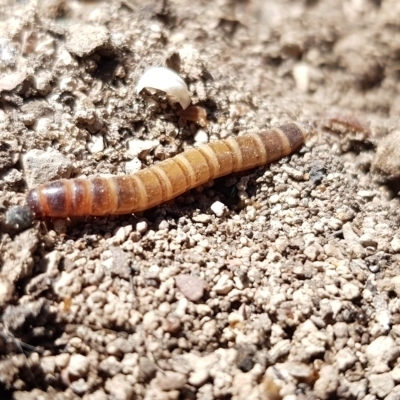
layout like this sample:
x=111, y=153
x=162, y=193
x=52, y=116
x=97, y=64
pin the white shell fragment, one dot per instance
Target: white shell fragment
x=168, y=81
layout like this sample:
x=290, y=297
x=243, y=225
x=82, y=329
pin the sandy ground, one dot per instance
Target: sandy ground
x=291, y=292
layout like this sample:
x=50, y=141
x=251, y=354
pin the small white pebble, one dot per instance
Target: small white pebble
x=395, y=244
x=203, y=218
x=138, y=147
x=242, y=194
x=78, y=365
x=291, y=201
x=245, y=252
x=366, y=193
x=319, y=226
x=218, y=208
x=142, y=226
x=119, y=235
x=274, y=199
x=181, y=237
x=163, y=225
x=96, y=144
x=301, y=75
x=335, y=224
x=350, y=291
x=201, y=136
x=133, y=166
x=367, y=240
x=224, y=285
x=67, y=84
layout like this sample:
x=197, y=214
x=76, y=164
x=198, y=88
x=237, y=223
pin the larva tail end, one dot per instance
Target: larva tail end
x=33, y=202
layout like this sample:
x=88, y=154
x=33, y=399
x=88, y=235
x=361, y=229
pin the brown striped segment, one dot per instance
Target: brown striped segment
x=224, y=157
x=251, y=154
x=198, y=162
x=272, y=144
x=178, y=176
x=295, y=136
x=54, y=198
x=235, y=153
x=165, y=183
x=130, y=193
x=152, y=187
x=211, y=159
x=81, y=197
x=104, y=199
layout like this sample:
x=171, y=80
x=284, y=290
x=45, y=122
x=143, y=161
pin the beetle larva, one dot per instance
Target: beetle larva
x=166, y=179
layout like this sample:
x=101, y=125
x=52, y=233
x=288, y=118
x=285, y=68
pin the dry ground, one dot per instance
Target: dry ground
x=293, y=290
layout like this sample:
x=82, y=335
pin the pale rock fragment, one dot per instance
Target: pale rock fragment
x=166, y=80
x=191, y=286
x=85, y=39
x=43, y=166
x=170, y=380
x=224, y=285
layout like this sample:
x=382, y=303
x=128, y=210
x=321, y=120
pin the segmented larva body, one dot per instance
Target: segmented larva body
x=164, y=180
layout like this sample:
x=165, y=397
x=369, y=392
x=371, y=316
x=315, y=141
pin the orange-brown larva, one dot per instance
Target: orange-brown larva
x=165, y=180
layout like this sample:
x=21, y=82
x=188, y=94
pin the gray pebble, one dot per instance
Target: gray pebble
x=191, y=286
x=279, y=350
x=380, y=384
x=387, y=157
x=110, y=366
x=350, y=291
x=79, y=387
x=11, y=176
x=380, y=352
x=317, y=172
x=44, y=166
x=345, y=359
x=327, y=382
x=170, y=380
x=85, y=39
x=18, y=317
x=119, y=388
x=120, y=346
x=147, y=369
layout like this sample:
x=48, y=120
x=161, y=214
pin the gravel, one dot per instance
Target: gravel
x=280, y=282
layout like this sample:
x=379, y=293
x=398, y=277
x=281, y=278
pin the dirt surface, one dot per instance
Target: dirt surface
x=277, y=283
